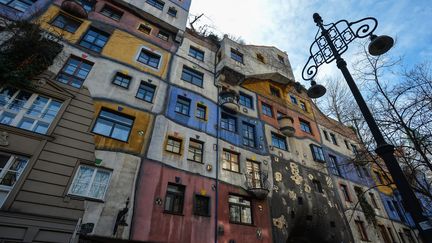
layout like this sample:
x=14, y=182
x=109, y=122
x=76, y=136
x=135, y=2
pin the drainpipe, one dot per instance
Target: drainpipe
x=217, y=151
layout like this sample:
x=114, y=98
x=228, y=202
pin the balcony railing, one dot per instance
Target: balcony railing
x=257, y=184
x=286, y=125
x=229, y=99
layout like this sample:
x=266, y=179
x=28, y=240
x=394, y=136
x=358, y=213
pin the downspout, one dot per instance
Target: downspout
x=217, y=150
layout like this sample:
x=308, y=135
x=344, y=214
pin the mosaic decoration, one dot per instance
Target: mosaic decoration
x=158, y=201
x=278, y=176
x=307, y=188
x=296, y=177
x=275, y=188
x=259, y=233
x=292, y=195
x=280, y=222
x=311, y=177
x=329, y=182
x=4, y=138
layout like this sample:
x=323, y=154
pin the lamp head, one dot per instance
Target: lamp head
x=316, y=90
x=380, y=44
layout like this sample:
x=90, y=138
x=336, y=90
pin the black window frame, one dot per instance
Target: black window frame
x=293, y=99
x=144, y=28
x=28, y=4
x=198, y=208
x=248, y=134
x=196, y=53
x=266, y=107
x=242, y=207
x=163, y=35
x=237, y=56
x=305, y=126
x=179, y=195
x=194, y=150
x=333, y=138
x=172, y=12
x=144, y=89
x=345, y=192
x=230, y=161
x=317, y=149
x=123, y=77
x=67, y=22
x=275, y=91
x=156, y=3
x=111, y=12
x=226, y=119
x=246, y=100
x=279, y=138
x=179, y=141
x=70, y=78
x=183, y=102
x=115, y=122
x=326, y=136
x=281, y=59
x=317, y=185
x=91, y=45
x=196, y=77
x=334, y=164
x=148, y=58
x=303, y=106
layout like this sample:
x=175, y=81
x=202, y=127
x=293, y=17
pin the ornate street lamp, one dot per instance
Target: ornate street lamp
x=330, y=45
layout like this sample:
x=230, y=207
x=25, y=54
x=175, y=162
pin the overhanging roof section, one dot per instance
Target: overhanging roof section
x=276, y=77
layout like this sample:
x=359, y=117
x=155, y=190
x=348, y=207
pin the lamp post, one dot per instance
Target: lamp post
x=330, y=45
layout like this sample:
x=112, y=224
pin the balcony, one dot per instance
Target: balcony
x=257, y=184
x=229, y=99
x=74, y=8
x=286, y=125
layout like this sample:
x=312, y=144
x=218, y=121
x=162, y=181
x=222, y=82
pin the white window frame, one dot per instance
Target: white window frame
x=4, y=188
x=91, y=182
x=20, y=115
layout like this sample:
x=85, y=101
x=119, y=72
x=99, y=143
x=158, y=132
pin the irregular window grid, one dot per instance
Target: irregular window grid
x=240, y=210
x=156, y=3
x=66, y=23
x=253, y=169
x=228, y=122
x=111, y=12
x=20, y=5
x=193, y=52
x=195, y=151
x=192, y=76
x=182, y=105
x=113, y=125
x=201, y=112
x=248, y=135
x=146, y=92
x=122, y=80
x=279, y=142
x=230, y=161
x=173, y=145
x=245, y=100
x=149, y=59
x=174, y=198
x=202, y=205
x=90, y=182
x=267, y=110
x=11, y=168
x=29, y=111
x=75, y=72
x=94, y=40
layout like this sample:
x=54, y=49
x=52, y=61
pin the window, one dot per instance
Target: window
x=345, y=192
x=240, y=210
x=236, y=55
x=94, y=40
x=373, y=200
x=303, y=106
x=254, y=174
x=195, y=151
x=390, y=231
x=334, y=166
x=20, y=5
x=279, y=114
x=260, y=57
x=11, y=168
x=149, y=58
x=174, y=198
x=172, y=11
x=146, y=91
x=173, y=145
x=66, y=23
x=275, y=92
x=25, y=110
x=354, y=149
x=163, y=35
x=317, y=153
x=267, y=110
x=201, y=112
x=358, y=170
x=156, y=3
x=183, y=105
x=230, y=161
x=305, y=126
x=145, y=29
x=248, y=134
x=317, y=185
x=87, y=4
x=384, y=234
x=246, y=100
x=113, y=125
x=122, y=80
x=326, y=135
x=228, y=122
x=111, y=12
x=279, y=141
x=195, y=53
x=191, y=76
x=281, y=59
x=390, y=205
x=90, y=182
x=74, y=72
x=333, y=138
x=293, y=99
x=346, y=144
x=202, y=206
x=361, y=230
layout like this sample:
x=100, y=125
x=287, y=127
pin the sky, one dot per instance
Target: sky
x=288, y=25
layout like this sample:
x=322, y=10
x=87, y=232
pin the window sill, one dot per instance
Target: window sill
x=182, y=114
x=202, y=215
x=237, y=172
x=244, y=224
x=173, y=213
x=77, y=197
x=172, y=152
x=194, y=161
x=26, y=133
x=127, y=141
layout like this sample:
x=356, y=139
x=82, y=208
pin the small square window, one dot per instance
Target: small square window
x=236, y=55
x=75, y=71
x=156, y=3
x=267, y=110
x=149, y=58
x=90, y=182
x=122, y=80
x=305, y=126
x=94, y=39
x=303, y=106
x=228, y=122
x=114, y=125
x=173, y=145
x=202, y=206
x=146, y=91
x=195, y=151
x=201, y=112
x=174, y=198
x=293, y=100
x=246, y=100
x=281, y=59
x=183, y=105
x=163, y=35
x=317, y=153
x=111, y=12
x=196, y=53
x=230, y=161
x=260, y=57
x=279, y=141
x=192, y=76
x=239, y=210
x=172, y=11
x=66, y=23
x=145, y=29
x=275, y=91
